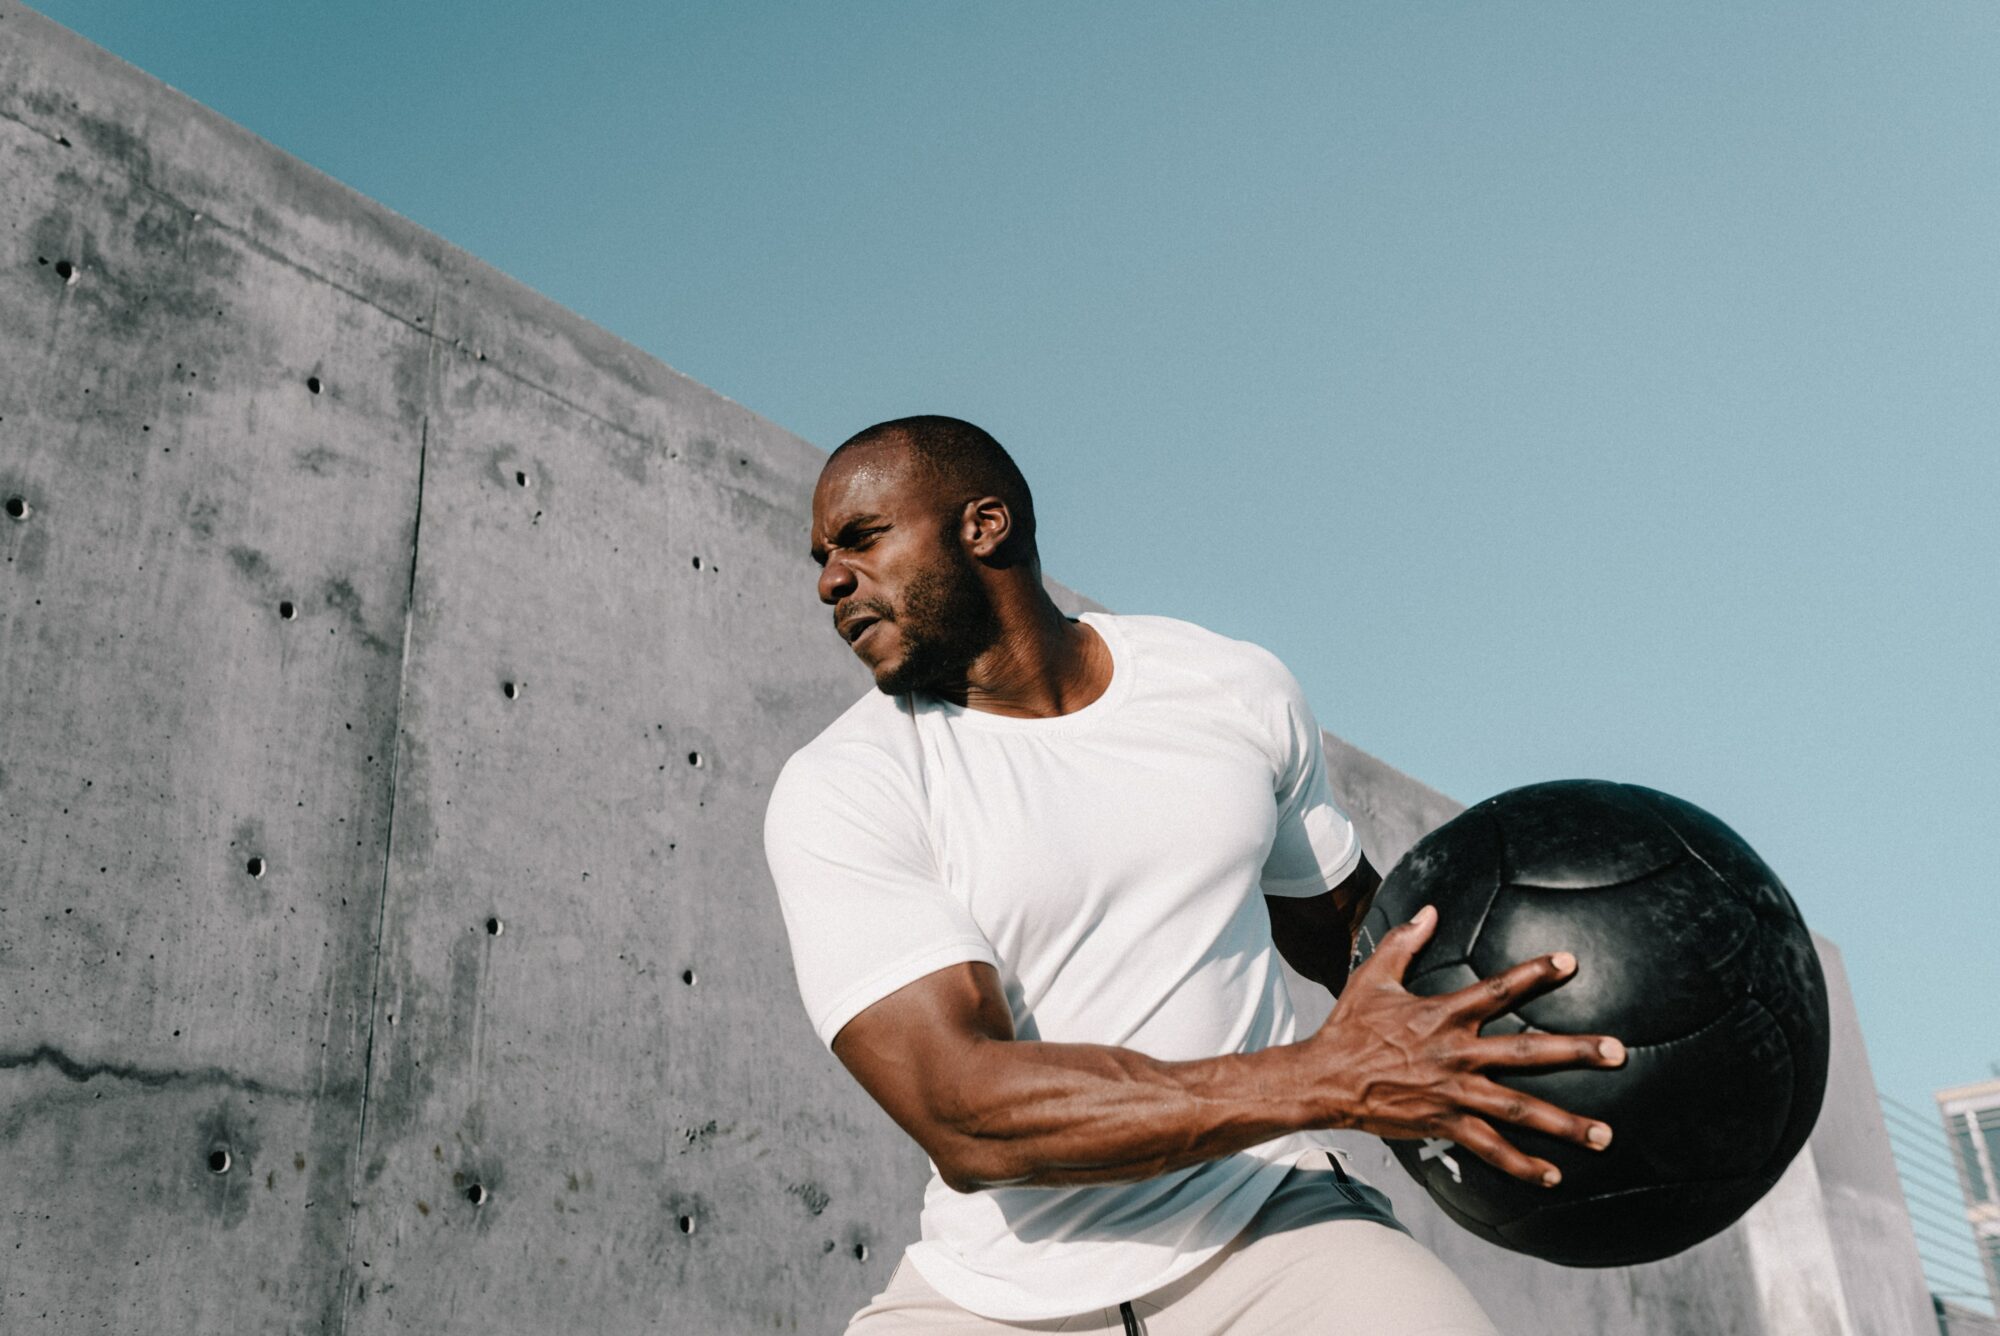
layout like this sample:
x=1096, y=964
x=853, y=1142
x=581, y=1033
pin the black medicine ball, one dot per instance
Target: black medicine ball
x=1689, y=950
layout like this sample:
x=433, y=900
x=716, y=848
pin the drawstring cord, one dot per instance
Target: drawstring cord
x=1131, y=1322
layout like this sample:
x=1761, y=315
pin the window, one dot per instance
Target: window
x=1989, y=1131
x=1976, y=1187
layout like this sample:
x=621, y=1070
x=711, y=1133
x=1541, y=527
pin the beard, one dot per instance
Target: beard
x=947, y=621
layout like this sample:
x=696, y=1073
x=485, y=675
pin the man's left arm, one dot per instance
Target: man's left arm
x=1315, y=933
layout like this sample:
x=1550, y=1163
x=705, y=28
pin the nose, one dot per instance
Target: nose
x=836, y=581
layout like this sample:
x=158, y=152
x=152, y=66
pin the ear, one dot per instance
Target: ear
x=985, y=525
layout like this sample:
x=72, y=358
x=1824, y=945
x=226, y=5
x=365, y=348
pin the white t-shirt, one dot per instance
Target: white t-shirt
x=1110, y=864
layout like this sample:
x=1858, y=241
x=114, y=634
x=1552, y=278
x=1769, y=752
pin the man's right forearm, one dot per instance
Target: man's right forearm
x=939, y=1055
x=1058, y=1115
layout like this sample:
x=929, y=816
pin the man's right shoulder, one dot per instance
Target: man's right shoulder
x=875, y=734
x=863, y=771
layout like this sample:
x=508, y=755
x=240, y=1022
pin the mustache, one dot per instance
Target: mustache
x=846, y=614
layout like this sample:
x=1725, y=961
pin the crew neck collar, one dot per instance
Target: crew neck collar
x=1114, y=693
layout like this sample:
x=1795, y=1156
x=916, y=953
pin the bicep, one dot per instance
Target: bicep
x=916, y=1052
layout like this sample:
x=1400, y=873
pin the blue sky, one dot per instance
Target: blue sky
x=1561, y=389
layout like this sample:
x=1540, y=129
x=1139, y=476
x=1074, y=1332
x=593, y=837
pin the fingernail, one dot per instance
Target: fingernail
x=1551, y=1178
x=1600, y=1136
x=1563, y=961
x=1423, y=916
x=1611, y=1051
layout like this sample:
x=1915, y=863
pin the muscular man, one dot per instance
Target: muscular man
x=1036, y=888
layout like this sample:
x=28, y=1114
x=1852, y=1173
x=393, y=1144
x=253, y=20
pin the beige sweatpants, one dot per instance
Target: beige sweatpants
x=1304, y=1267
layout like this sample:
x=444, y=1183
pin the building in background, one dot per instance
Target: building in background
x=1950, y=1183
x=1972, y=1128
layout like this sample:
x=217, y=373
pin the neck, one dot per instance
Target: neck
x=1043, y=665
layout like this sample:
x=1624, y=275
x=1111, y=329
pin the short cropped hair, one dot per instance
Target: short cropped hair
x=964, y=462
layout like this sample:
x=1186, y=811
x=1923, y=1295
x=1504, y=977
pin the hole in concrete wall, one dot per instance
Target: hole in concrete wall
x=476, y=1194
x=697, y=563
x=288, y=610
x=511, y=690
x=520, y=478
x=494, y=927
x=687, y=1224
x=694, y=759
x=313, y=385
x=687, y=977
x=218, y=1161
x=255, y=867
x=860, y=1252
x=66, y=271
x=18, y=508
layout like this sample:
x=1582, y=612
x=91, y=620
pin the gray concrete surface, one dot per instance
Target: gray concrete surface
x=500, y=1034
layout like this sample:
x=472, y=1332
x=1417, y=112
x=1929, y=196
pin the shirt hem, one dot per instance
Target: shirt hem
x=1300, y=887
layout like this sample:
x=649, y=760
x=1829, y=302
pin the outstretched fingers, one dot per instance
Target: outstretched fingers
x=1477, y=1135
x=1534, y=1048
x=1505, y=990
x=1504, y=1104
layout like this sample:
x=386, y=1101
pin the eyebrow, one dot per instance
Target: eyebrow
x=846, y=534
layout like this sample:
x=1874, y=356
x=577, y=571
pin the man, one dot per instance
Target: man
x=1036, y=887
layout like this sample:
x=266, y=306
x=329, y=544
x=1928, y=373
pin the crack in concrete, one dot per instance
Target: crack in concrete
x=81, y=1071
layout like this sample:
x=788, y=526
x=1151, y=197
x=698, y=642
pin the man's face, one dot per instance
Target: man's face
x=904, y=593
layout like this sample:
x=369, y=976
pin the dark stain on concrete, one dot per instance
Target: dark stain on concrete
x=632, y=456
x=152, y=278
x=342, y=597
x=405, y=1073
x=253, y=565
x=319, y=461
x=200, y=514
x=433, y=1040
x=814, y=1197
x=112, y=140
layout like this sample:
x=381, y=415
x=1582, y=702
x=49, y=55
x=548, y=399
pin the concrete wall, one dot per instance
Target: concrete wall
x=485, y=635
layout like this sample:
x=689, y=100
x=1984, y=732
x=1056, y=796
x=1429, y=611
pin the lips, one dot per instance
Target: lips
x=858, y=627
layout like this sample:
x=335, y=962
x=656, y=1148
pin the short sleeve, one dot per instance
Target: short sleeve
x=863, y=905
x=1316, y=845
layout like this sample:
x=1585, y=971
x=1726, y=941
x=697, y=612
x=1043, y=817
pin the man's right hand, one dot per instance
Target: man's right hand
x=1403, y=1066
